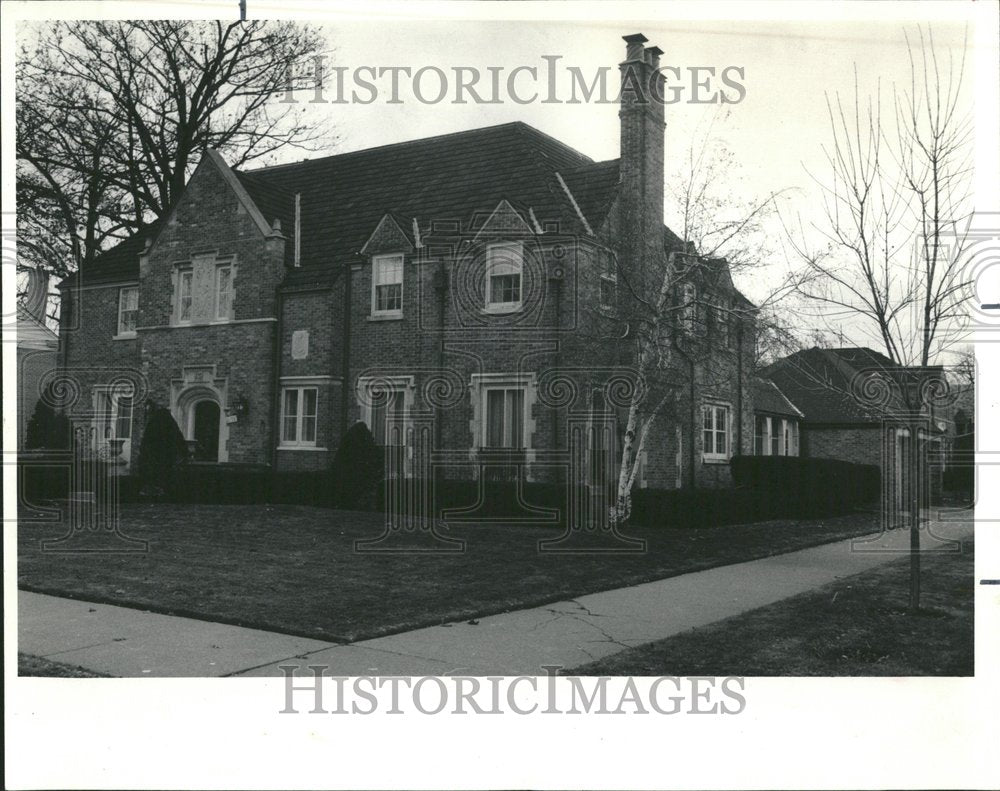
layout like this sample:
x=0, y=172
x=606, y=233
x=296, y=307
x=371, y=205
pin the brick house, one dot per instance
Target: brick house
x=847, y=413
x=457, y=292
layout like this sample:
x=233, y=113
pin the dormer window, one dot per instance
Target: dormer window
x=504, y=268
x=387, y=285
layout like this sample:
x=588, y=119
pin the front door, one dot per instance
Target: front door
x=205, y=431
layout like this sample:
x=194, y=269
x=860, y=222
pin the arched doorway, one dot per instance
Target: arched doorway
x=205, y=421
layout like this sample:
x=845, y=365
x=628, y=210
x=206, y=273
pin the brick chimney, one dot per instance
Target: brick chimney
x=641, y=163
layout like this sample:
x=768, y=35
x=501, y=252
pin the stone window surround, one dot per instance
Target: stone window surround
x=479, y=386
x=216, y=261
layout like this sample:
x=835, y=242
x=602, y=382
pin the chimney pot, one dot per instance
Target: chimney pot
x=653, y=56
x=634, y=49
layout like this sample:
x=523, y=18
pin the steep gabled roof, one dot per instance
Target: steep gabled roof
x=769, y=399
x=822, y=383
x=120, y=262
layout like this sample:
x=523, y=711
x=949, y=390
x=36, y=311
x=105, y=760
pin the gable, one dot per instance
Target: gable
x=388, y=237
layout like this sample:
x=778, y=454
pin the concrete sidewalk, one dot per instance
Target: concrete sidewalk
x=121, y=641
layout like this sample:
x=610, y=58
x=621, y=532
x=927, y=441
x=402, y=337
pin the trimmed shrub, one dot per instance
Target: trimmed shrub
x=356, y=469
x=47, y=428
x=161, y=454
x=808, y=487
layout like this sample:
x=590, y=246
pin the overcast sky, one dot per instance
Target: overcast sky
x=776, y=132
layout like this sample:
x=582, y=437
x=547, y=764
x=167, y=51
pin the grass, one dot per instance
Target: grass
x=857, y=626
x=293, y=569
x=29, y=665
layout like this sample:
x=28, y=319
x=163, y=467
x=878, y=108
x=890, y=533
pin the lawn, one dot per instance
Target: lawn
x=857, y=626
x=294, y=569
x=28, y=665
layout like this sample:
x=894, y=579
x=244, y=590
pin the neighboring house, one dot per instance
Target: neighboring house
x=36, y=353
x=776, y=421
x=441, y=290
x=848, y=412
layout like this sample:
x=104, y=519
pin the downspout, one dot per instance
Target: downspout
x=276, y=381
x=346, y=357
x=557, y=296
x=739, y=389
x=442, y=289
x=693, y=413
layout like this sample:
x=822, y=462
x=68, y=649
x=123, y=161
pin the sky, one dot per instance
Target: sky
x=775, y=133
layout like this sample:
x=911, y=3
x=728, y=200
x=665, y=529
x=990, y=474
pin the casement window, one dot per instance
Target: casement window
x=223, y=293
x=128, y=309
x=298, y=416
x=386, y=422
x=715, y=432
x=504, y=423
x=609, y=292
x=387, y=285
x=185, y=279
x=760, y=430
x=504, y=269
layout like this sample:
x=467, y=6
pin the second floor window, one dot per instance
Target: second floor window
x=504, y=266
x=184, y=281
x=387, y=285
x=128, y=309
x=224, y=292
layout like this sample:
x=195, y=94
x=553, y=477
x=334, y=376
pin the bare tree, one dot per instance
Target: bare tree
x=113, y=116
x=896, y=203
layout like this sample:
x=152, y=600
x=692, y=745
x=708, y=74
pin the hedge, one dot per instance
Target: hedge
x=808, y=487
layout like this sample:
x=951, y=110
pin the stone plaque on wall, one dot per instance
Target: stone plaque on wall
x=300, y=344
